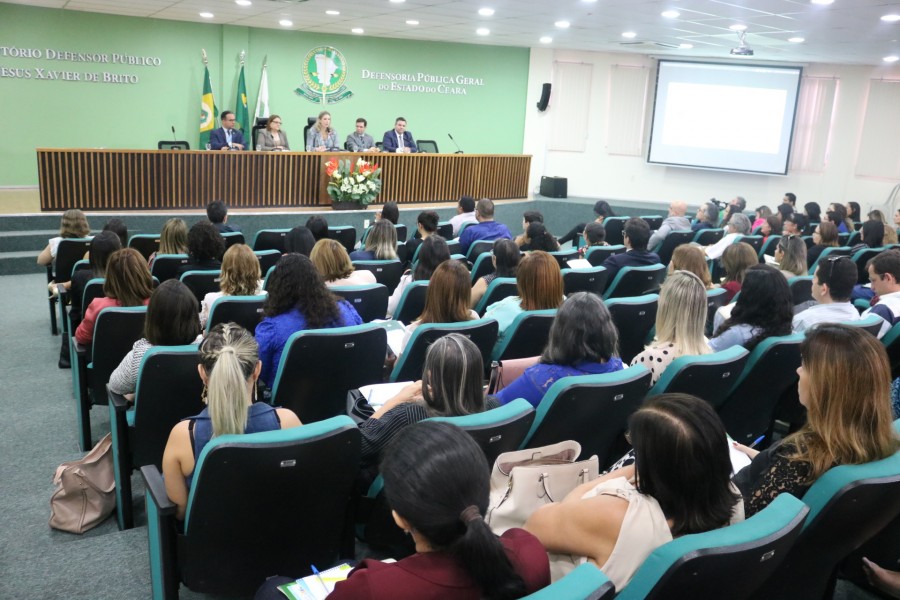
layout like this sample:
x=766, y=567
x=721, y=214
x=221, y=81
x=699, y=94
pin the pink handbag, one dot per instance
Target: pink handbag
x=505, y=372
x=85, y=492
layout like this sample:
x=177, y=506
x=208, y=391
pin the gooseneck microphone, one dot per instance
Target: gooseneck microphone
x=458, y=149
x=174, y=137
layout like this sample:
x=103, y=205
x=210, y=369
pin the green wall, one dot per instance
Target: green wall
x=42, y=113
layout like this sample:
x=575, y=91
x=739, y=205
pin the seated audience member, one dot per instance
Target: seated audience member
x=381, y=243
x=832, y=285
x=297, y=300
x=675, y=221
x=764, y=309
x=300, y=240
x=890, y=229
x=333, y=263
x=825, y=235
x=227, y=137
x=451, y=386
x=322, y=137
x=680, y=323
x=793, y=224
x=813, y=212
x=529, y=217
x=602, y=209
x=790, y=254
x=72, y=225
x=318, y=227
x=785, y=210
x=762, y=213
x=679, y=484
x=359, y=140
x=772, y=225
x=871, y=235
x=837, y=214
x=790, y=198
x=433, y=252
x=854, y=213
x=540, y=285
x=505, y=257
x=583, y=341
x=172, y=240
x=272, y=138
x=707, y=217
x=128, y=283
x=447, y=300
x=229, y=367
x=217, y=213
x=690, y=258
x=171, y=321
x=389, y=212
x=738, y=225
x=240, y=277
x=736, y=259
x=398, y=139
x=594, y=234
x=465, y=213
x=538, y=238
x=205, y=248
x=636, y=235
x=845, y=385
x=884, y=273
x=426, y=225
x=737, y=205
x=118, y=227
x=884, y=579
x=486, y=228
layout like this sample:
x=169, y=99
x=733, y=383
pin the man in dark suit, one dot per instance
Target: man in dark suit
x=636, y=236
x=226, y=137
x=399, y=139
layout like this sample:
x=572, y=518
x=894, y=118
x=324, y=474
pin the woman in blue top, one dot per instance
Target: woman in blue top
x=298, y=299
x=583, y=341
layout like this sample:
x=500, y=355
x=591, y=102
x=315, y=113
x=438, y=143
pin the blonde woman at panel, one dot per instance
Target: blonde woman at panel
x=321, y=137
x=272, y=137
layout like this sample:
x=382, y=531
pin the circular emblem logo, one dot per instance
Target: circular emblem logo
x=324, y=68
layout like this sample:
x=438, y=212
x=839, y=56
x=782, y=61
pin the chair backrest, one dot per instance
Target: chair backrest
x=871, y=323
x=635, y=318
x=891, y=342
x=268, y=274
x=716, y=298
x=829, y=251
x=300, y=478
x=345, y=234
x=165, y=266
x=319, y=366
x=386, y=272
x=731, y=562
x=843, y=238
x=861, y=258
x=484, y=265
x=270, y=239
x=202, y=283
x=482, y=332
x=496, y=431
x=370, y=301
x=267, y=259
x=705, y=237
x=402, y=232
x=478, y=248
x=463, y=226
x=233, y=237
x=591, y=280
x=453, y=245
x=427, y=146
x=593, y=410
x=801, y=289
x=615, y=228
x=93, y=289
x=756, y=241
x=636, y=281
x=748, y=411
x=597, y=254
x=412, y=302
x=768, y=247
x=707, y=376
x=115, y=332
x=69, y=252
x=672, y=241
x=562, y=257
x=445, y=230
x=145, y=243
x=526, y=336
x=654, y=221
x=246, y=311
x=499, y=288
x=585, y=582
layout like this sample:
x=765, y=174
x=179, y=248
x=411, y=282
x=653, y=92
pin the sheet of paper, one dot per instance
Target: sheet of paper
x=316, y=587
x=770, y=260
x=739, y=460
x=579, y=263
x=395, y=340
x=379, y=393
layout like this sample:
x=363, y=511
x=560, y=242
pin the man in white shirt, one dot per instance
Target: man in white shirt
x=738, y=225
x=884, y=273
x=465, y=213
x=832, y=285
x=674, y=222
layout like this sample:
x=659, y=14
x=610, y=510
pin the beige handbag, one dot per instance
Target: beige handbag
x=525, y=480
x=505, y=372
x=85, y=492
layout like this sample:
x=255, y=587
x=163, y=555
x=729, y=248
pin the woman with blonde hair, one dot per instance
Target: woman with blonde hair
x=272, y=137
x=72, y=225
x=333, y=262
x=680, y=324
x=381, y=243
x=790, y=254
x=229, y=367
x=172, y=240
x=240, y=277
x=688, y=257
x=321, y=137
x=845, y=385
x=447, y=299
x=890, y=231
x=736, y=259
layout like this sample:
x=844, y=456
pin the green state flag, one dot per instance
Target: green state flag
x=208, y=111
x=241, y=112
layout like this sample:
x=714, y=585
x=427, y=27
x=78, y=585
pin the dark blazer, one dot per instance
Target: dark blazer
x=632, y=258
x=217, y=138
x=390, y=141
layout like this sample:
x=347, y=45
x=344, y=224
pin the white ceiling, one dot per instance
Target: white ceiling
x=845, y=32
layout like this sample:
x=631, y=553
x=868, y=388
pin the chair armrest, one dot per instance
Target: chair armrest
x=156, y=490
x=79, y=349
x=162, y=536
x=117, y=400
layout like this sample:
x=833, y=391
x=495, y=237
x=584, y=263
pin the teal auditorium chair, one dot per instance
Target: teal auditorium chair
x=870, y=323
x=270, y=239
x=653, y=221
x=716, y=298
x=345, y=234
x=597, y=254
x=445, y=229
x=526, y=336
x=801, y=289
x=861, y=258
x=202, y=283
x=262, y=503
x=707, y=376
x=64, y=297
x=497, y=290
x=563, y=256
x=585, y=582
x=370, y=301
x=68, y=253
x=731, y=562
x=853, y=239
x=755, y=241
x=635, y=318
x=401, y=234
x=636, y=281
x=771, y=372
x=593, y=410
x=483, y=265
x=267, y=259
x=319, y=366
x=706, y=237
x=615, y=229
x=386, y=272
x=478, y=248
x=165, y=266
x=830, y=251
x=169, y=389
x=412, y=302
x=232, y=238
x=768, y=247
x=246, y=311
x=145, y=243
x=482, y=332
x=592, y=280
x=891, y=342
x=115, y=332
x=672, y=241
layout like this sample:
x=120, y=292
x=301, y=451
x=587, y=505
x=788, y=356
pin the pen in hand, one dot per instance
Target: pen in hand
x=756, y=441
x=319, y=577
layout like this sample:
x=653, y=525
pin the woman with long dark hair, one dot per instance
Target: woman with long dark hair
x=505, y=256
x=447, y=299
x=764, y=309
x=206, y=246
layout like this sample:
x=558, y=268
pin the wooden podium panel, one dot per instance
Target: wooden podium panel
x=177, y=179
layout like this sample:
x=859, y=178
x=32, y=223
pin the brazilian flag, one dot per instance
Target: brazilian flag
x=208, y=111
x=241, y=112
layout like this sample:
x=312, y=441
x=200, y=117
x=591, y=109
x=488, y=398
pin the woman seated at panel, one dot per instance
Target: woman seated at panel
x=381, y=243
x=229, y=367
x=764, y=309
x=447, y=300
x=707, y=217
x=736, y=259
x=240, y=277
x=297, y=300
x=433, y=252
x=72, y=225
x=691, y=258
x=680, y=324
x=583, y=341
x=272, y=137
x=790, y=254
x=678, y=485
x=333, y=263
x=825, y=235
x=171, y=321
x=321, y=137
x=172, y=240
x=602, y=210
x=128, y=283
x=845, y=385
x=505, y=256
x=205, y=248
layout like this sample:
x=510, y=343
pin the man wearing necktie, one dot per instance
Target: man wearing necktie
x=398, y=139
x=226, y=137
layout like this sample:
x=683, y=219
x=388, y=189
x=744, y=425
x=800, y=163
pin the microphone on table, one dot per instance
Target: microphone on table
x=458, y=149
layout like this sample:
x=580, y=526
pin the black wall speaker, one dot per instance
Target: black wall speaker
x=545, y=98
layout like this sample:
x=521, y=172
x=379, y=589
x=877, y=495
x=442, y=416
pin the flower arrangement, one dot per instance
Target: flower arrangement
x=358, y=182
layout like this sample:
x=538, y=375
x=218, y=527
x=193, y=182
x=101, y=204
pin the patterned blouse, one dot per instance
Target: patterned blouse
x=771, y=473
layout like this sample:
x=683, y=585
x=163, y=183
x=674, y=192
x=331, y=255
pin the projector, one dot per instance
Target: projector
x=742, y=51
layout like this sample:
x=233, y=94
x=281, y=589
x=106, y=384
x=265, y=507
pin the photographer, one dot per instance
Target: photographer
x=737, y=205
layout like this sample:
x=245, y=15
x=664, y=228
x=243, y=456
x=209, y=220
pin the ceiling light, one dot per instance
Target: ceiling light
x=738, y=27
x=243, y=2
x=486, y=12
x=286, y=23
x=398, y=1
x=685, y=46
x=358, y=29
x=891, y=58
x=796, y=40
x=546, y=39
x=207, y=15
x=412, y=22
x=670, y=14
x=333, y=13
x=890, y=18
x=483, y=31
x=629, y=34
x=562, y=24
x=821, y=1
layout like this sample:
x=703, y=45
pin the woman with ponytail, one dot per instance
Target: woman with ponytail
x=229, y=367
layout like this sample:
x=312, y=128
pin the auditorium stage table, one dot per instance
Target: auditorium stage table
x=92, y=179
